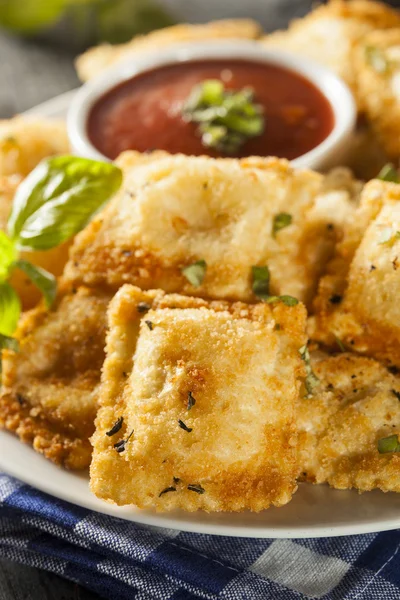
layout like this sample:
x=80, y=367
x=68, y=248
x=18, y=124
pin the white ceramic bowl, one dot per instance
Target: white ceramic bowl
x=328, y=153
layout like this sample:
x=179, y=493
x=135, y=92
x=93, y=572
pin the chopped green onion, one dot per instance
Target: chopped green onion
x=389, y=444
x=195, y=272
x=226, y=118
x=281, y=221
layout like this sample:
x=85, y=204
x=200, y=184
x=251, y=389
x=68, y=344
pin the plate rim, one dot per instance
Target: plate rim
x=55, y=108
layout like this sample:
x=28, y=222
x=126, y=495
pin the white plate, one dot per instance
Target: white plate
x=315, y=511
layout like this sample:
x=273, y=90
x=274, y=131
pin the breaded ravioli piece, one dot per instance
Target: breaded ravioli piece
x=354, y=413
x=96, y=59
x=174, y=211
x=378, y=62
x=50, y=387
x=198, y=403
x=330, y=34
x=52, y=260
x=357, y=303
x=25, y=141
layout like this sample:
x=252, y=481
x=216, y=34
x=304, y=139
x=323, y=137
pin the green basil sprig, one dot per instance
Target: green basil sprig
x=55, y=201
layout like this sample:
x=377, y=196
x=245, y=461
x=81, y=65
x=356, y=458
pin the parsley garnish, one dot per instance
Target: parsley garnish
x=195, y=272
x=281, y=221
x=312, y=380
x=226, y=118
x=116, y=427
x=121, y=445
x=184, y=426
x=196, y=488
x=389, y=444
x=191, y=401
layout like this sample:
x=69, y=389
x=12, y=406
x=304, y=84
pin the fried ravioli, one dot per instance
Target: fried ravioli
x=330, y=34
x=25, y=141
x=357, y=303
x=198, y=403
x=96, y=59
x=340, y=427
x=173, y=211
x=49, y=388
x=378, y=60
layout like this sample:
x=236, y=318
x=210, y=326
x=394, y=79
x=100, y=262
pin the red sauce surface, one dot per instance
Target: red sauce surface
x=144, y=113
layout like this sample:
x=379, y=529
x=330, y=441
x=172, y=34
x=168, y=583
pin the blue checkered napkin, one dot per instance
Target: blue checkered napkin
x=121, y=560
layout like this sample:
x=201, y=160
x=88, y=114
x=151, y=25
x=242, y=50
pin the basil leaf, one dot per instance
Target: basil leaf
x=195, y=273
x=389, y=173
x=43, y=280
x=58, y=198
x=8, y=343
x=7, y=255
x=10, y=309
x=281, y=221
x=261, y=277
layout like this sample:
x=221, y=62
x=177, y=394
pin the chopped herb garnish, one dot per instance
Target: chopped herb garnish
x=261, y=277
x=116, y=427
x=143, y=307
x=150, y=325
x=281, y=221
x=176, y=479
x=340, y=344
x=389, y=173
x=389, y=444
x=312, y=380
x=196, y=488
x=191, y=401
x=195, y=272
x=184, y=426
x=226, y=118
x=396, y=393
x=277, y=327
x=168, y=489
x=376, y=59
x=336, y=299
x=121, y=445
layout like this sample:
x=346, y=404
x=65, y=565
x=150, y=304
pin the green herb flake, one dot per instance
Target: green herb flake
x=196, y=488
x=261, y=278
x=191, y=401
x=143, y=307
x=167, y=490
x=388, y=444
x=396, y=393
x=226, y=119
x=195, y=272
x=183, y=426
x=340, y=344
x=150, y=325
x=376, y=59
x=280, y=221
x=389, y=173
x=312, y=380
x=288, y=300
x=116, y=427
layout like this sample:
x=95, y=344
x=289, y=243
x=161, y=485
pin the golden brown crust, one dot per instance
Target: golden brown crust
x=340, y=426
x=96, y=59
x=381, y=89
x=25, y=141
x=49, y=391
x=243, y=373
x=357, y=301
x=330, y=35
x=175, y=210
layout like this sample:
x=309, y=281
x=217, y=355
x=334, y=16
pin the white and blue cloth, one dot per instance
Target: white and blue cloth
x=122, y=560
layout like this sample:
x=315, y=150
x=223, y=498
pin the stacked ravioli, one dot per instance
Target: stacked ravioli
x=195, y=394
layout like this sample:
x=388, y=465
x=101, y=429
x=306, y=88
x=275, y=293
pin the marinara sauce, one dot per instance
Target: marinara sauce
x=145, y=112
